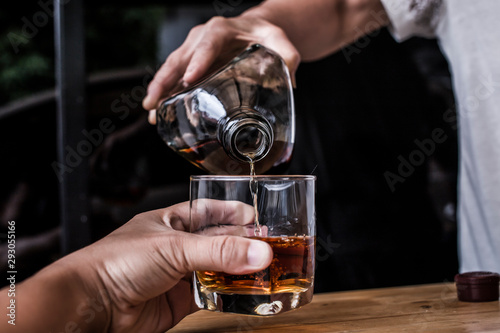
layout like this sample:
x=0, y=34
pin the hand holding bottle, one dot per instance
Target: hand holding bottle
x=241, y=115
x=210, y=46
x=295, y=29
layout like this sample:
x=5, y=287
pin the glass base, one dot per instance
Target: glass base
x=250, y=304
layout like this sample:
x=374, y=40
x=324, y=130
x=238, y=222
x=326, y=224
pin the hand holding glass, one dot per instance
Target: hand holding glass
x=285, y=220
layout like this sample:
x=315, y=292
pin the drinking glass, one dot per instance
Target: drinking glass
x=284, y=206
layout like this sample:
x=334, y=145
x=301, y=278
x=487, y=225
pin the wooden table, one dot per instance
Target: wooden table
x=424, y=308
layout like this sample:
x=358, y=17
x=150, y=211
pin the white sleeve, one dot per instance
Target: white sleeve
x=413, y=17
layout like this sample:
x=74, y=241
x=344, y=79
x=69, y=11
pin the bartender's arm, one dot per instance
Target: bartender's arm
x=296, y=29
x=133, y=280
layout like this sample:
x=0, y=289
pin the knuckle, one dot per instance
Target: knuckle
x=218, y=26
x=174, y=55
x=277, y=30
x=174, y=59
x=161, y=74
x=224, y=249
x=207, y=44
x=271, y=30
x=216, y=21
x=195, y=30
x=295, y=57
x=170, y=67
x=177, y=258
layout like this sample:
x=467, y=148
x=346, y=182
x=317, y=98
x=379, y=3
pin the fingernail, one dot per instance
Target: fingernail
x=152, y=117
x=188, y=73
x=146, y=100
x=258, y=254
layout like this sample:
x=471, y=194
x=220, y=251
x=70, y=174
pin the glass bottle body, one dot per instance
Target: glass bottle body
x=243, y=112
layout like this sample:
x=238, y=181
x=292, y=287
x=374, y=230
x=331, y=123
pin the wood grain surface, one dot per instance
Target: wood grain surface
x=424, y=308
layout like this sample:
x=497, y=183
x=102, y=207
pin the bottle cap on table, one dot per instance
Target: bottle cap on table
x=477, y=286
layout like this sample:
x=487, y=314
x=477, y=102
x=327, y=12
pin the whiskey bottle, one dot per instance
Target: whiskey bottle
x=242, y=113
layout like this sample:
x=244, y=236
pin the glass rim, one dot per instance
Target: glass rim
x=248, y=177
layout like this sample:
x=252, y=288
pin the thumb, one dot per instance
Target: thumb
x=230, y=254
x=292, y=61
x=280, y=43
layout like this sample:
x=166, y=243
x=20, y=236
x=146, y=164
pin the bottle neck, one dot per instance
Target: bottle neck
x=246, y=136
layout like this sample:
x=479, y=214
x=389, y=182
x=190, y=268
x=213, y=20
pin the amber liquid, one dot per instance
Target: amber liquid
x=291, y=270
x=254, y=190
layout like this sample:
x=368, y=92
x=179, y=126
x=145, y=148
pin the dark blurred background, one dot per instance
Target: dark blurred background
x=360, y=113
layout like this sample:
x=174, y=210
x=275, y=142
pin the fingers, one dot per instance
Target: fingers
x=234, y=255
x=152, y=117
x=167, y=78
x=279, y=42
x=215, y=43
x=188, y=63
x=185, y=252
x=205, y=213
x=208, y=215
x=146, y=245
x=203, y=57
x=176, y=216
